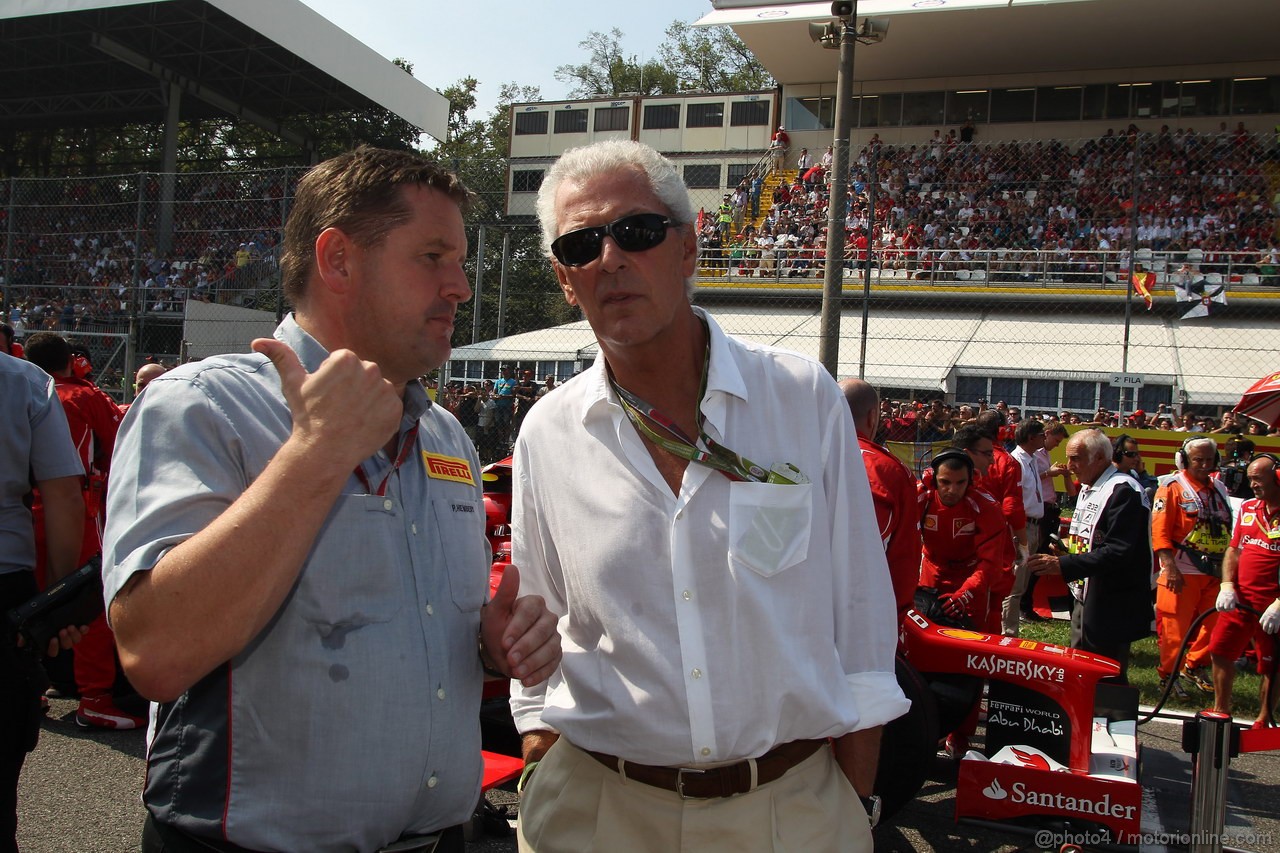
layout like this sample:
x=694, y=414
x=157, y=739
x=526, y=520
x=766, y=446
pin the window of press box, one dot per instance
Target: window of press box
x=1151, y=397
x=812, y=113
x=1058, y=103
x=531, y=123
x=970, y=389
x=867, y=110
x=1042, y=394
x=702, y=176
x=890, y=111
x=923, y=109
x=1118, y=99
x=1013, y=104
x=748, y=113
x=526, y=180
x=661, y=116
x=612, y=118
x=1079, y=396
x=1095, y=102
x=705, y=115
x=1204, y=97
x=1250, y=95
x=968, y=106
x=1108, y=397
x=1006, y=388
x=1147, y=99
x=571, y=121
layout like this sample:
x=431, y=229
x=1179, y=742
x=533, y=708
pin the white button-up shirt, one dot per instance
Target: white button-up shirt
x=717, y=623
x=1032, y=496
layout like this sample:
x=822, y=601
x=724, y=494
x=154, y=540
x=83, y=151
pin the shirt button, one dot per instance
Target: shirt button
x=413, y=528
x=440, y=693
x=431, y=611
x=696, y=673
x=388, y=504
x=686, y=595
x=433, y=781
x=706, y=750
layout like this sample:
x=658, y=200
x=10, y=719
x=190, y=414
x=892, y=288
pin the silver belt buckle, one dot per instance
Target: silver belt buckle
x=680, y=771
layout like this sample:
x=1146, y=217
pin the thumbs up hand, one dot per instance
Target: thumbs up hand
x=345, y=410
x=519, y=633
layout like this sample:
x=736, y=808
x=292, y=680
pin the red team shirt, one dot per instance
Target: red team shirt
x=963, y=544
x=1257, y=537
x=893, y=491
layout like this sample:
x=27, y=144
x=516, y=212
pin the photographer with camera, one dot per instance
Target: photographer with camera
x=1233, y=472
x=35, y=446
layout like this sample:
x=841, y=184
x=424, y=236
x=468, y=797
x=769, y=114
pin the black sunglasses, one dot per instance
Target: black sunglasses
x=638, y=232
x=1129, y=454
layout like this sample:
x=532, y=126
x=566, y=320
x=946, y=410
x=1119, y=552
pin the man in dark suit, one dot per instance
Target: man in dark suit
x=1108, y=564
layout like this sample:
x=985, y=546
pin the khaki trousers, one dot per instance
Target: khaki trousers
x=574, y=804
x=1011, y=607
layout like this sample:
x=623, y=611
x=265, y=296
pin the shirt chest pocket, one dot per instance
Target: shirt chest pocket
x=353, y=575
x=769, y=525
x=460, y=523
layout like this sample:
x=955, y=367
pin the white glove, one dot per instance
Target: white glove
x=1270, y=620
x=1226, y=597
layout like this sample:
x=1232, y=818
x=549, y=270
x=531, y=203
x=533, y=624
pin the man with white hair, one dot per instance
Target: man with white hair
x=727, y=613
x=1108, y=564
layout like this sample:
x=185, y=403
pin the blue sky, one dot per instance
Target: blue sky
x=501, y=41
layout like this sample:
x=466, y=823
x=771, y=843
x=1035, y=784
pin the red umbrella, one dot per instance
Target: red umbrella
x=1262, y=400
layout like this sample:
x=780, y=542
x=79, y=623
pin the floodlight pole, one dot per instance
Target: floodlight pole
x=829, y=333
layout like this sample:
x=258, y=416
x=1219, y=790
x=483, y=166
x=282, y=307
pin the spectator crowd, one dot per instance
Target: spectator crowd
x=1016, y=211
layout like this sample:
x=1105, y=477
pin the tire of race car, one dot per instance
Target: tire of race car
x=955, y=695
x=907, y=745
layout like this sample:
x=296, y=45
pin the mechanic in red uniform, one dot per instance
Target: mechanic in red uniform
x=94, y=419
x=893, y=491
x=963, y=534
x=1003, y=481
x=1251, y=577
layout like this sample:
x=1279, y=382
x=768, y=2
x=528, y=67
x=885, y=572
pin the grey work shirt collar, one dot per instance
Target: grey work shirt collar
x=312, y=354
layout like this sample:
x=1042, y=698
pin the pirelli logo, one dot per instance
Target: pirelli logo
x=447, y=468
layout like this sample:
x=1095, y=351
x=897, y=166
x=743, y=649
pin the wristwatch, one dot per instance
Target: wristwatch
x=872, y=805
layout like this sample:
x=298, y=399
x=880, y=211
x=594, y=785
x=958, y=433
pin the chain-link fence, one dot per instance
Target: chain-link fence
x=995, y=271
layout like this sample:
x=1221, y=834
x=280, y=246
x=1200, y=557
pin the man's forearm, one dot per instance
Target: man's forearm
x=858, y=754
x=227, y=581
x=63, y=503
x=534, y=744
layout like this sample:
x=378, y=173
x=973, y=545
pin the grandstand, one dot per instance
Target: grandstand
x=115, y=258
x=1015, y=165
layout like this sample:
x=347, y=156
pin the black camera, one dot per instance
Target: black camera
x=74, y=600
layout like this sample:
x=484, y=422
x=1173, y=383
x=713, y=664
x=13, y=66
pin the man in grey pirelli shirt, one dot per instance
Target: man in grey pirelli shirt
x=296, y=564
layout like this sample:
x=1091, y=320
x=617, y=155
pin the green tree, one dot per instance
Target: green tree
x=691, y=58
x=609, y=73
x=477, y=150
x=711, y=59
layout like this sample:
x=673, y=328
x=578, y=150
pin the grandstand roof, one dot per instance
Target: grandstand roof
x=1012, y=37
x=908, y=349
x=102, y=62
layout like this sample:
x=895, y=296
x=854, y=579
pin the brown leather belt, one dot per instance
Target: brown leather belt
x=693, y=783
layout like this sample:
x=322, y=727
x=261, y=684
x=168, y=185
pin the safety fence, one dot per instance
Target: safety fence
x=1000, y=271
